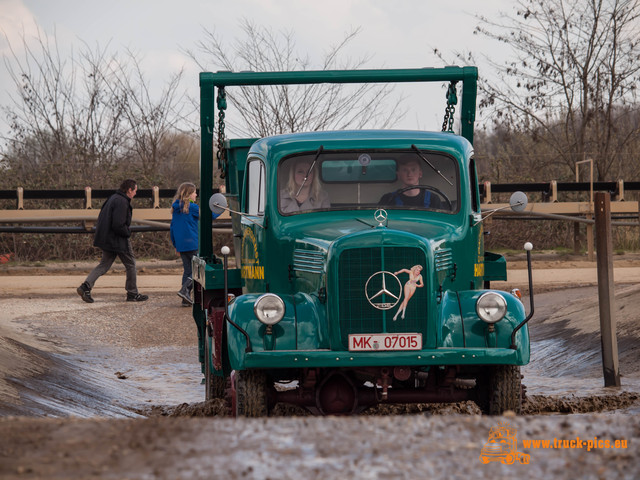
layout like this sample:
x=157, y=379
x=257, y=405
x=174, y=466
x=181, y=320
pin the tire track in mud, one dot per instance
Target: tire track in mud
x=53, y=380
x=532, y=405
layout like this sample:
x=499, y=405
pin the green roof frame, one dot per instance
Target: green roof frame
x=468, y=75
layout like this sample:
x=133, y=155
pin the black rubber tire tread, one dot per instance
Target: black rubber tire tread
x=505, y=391
x=215, y=385
x=218, y=386
x=251, y=393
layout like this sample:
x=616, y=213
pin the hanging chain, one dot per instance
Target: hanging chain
x=222, y=105
x=452, y=100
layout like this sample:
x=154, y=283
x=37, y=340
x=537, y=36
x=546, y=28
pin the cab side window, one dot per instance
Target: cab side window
x=473, y=177
x=255, y=187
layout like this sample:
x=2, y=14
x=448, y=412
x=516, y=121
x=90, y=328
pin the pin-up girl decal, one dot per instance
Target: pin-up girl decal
x=415, y=281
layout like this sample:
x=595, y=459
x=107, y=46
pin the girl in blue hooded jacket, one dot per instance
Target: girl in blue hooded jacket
x=184, y=234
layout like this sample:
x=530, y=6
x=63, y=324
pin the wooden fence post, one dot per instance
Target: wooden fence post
x=156, y=197
x=87, y=198
x=606, y=297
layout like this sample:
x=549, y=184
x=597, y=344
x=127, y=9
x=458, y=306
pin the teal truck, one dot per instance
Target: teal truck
x=359, y=275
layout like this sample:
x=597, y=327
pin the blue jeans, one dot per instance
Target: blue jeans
x=187, y=283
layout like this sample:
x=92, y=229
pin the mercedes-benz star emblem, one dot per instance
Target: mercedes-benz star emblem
x=384, y=292
x=381, y=217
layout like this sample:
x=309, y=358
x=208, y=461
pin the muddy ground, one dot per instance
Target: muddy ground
x=112, y=390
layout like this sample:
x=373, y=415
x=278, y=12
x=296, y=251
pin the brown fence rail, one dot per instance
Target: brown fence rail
x=549, y=191
x=152, y=218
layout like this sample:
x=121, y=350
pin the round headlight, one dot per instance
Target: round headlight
x=269, y=308
x=491, y=307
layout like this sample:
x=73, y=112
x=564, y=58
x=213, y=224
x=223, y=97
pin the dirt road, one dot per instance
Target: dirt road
x=101, y=367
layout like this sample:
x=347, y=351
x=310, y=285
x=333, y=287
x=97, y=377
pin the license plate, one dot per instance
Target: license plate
x=378, y=342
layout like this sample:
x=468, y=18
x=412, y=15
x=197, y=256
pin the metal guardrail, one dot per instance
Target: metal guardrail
x=154, y=218
x=549, y=191
x=550, y=208
x=88, y=194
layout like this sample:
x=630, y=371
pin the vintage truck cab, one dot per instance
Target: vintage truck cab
x=360, y=273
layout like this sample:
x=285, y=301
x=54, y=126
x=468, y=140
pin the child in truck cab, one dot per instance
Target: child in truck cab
x=409, y=172
x=303, y=191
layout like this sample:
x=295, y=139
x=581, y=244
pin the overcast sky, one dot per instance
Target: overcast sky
x=396, y=34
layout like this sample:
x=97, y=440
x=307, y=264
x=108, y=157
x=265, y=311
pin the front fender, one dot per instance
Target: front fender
x=283, y=336
x=303, y=327
x=477, y=333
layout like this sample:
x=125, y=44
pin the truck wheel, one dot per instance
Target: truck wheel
x=251, y=393
x=214, y=385
x=504, y=390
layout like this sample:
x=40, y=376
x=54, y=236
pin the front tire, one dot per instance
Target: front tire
x=505, y=390
x=251, y=393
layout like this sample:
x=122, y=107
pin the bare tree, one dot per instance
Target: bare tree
x=268, y=110
x=573, y=81
x=184, y=163
x=153, y=120
x=504, y=155
x=62, y=118
x=88, y=119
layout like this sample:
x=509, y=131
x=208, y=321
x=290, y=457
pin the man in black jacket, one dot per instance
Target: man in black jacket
x=113, y=237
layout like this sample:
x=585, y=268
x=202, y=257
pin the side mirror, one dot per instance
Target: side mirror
x=518, y=201
x=218, y=203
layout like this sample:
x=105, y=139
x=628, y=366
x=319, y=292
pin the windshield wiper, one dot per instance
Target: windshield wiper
x=366, y=223
x=306, y=176
x=430, y=164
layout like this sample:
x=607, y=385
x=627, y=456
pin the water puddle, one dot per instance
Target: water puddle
x=106, y=384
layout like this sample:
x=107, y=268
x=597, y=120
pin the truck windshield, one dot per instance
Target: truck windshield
x=364, y=180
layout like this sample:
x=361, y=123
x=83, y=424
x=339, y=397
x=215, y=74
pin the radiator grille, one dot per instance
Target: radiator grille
x=356, y=314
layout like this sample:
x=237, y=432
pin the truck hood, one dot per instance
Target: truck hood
x=313, y=231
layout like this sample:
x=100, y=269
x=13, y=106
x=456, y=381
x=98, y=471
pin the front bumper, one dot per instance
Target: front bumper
x=333, y=359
